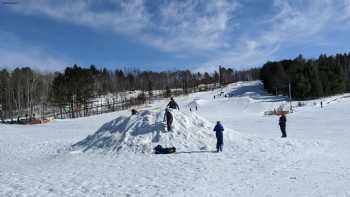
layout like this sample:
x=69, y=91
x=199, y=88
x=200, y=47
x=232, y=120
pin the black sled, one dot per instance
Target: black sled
x=161, y=150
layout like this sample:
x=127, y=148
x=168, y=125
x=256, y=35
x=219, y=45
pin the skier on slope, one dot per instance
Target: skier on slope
x=168, y=117
x=172, y=104
x=219, y=129
x=282, y=122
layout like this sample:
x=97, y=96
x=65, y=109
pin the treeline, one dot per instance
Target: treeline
x=309, y=78
x=23, y=90
x=82, y=84
x=229, y=75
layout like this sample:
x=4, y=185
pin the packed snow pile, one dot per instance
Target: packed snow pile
x=145, y=130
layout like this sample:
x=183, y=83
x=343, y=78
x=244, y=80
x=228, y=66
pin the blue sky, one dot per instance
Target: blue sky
x=168, y=35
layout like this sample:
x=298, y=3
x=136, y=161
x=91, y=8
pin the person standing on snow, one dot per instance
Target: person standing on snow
x=219, y=129
x=172, y=104
x=282, y=122
x=168, y=117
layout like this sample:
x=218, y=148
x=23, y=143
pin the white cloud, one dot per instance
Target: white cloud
x=295, y=22
x=34, y=59
x=204, y=28
x=172, y=26
x=345, y=7
x=249, y=53
x=194, y=25
x=300, y=19
x=130, y=17
x=15, y=53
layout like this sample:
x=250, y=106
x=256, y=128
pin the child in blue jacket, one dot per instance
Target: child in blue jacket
x=219, y=129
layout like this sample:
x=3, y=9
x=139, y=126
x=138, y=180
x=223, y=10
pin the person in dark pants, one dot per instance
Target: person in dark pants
x=168, y=117
x=172, y=104
x=282, y=123
x=219, y=129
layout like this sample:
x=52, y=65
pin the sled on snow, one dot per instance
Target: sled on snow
x=161, y=150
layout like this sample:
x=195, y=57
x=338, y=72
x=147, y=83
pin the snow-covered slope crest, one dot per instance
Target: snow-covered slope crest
x=142, y=132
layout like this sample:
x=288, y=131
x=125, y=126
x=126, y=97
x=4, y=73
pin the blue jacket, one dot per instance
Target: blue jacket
x=219, y=133
x=218, y=129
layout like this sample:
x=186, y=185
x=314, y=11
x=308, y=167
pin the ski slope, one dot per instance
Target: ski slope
x=39, y=160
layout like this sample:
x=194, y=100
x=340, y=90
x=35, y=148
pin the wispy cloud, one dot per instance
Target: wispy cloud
x=345, y=10
x=296, y=22
x=204, y=28
x=128, y=16
x=14, y=52
x=171, y=26
x=194, y=25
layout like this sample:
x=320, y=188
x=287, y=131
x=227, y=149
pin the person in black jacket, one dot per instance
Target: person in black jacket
x=282, y=123
x=168, y=117
x=172, y=104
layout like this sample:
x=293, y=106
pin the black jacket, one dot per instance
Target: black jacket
x=173, y=105
x=282, y=121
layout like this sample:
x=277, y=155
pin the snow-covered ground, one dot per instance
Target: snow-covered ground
x=314, y=160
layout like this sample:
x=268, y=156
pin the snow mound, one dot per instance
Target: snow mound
x=142, y=132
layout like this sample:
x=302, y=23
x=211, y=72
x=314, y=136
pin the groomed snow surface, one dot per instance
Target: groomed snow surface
x=111, y=154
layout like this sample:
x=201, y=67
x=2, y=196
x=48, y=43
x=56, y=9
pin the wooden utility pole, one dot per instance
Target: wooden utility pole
x=220, y=75
x=290, y=97
x=1, y=114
